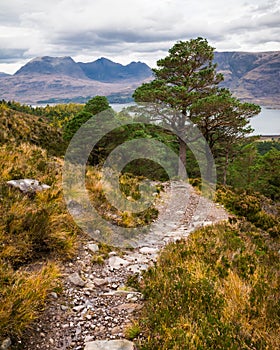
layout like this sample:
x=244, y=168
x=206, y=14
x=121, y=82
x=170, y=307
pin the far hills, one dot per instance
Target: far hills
x=251, y=76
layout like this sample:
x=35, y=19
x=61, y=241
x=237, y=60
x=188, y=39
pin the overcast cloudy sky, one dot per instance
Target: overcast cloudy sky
x=127, y=30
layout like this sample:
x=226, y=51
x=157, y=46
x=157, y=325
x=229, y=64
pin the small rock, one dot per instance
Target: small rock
x=63, y=307
x=54, y=295
x=6, y=344
x=207, y=223
x=113, y=254
x=129, y=307
x=116, y=330
x=130, y=296
x=76, y=279
x=148, y=250
x=79, y=308
x=51, y=341
x=93, y=248
x=114, y=286
x=90, y=286
x=100, y=281
x=88, y=338
x=121, y=344
x=116, y=262
x=137, y=268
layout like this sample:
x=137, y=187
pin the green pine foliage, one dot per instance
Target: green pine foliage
x=256, y=168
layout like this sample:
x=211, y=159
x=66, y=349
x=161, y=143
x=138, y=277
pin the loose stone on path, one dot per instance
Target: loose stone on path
x=110, y=345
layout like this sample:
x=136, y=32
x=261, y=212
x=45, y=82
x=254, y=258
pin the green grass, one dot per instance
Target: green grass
x=217, y=290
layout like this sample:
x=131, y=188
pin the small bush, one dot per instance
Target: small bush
x=252, y=207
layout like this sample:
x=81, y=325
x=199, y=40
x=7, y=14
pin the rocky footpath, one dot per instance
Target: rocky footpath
x=95, y=307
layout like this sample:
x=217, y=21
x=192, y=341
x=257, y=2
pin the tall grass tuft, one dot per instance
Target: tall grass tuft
x=22, y=295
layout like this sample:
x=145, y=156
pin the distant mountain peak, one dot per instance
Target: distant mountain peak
x=107, y=71
x=47, y=65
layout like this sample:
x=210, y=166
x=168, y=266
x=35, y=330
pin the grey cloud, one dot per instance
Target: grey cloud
x=131, y=28
x=270, y=20
x=11, y=55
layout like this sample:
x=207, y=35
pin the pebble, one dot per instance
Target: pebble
x=109, y=345
x=76, y=279
x=54, y=295
x=116, y=262
x=93, y=248
x=79, y=308
x=6, y=344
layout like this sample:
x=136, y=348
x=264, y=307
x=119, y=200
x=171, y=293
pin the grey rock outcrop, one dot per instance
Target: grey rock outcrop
x=28, y=185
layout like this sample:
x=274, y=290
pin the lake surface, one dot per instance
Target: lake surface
x=266, y=123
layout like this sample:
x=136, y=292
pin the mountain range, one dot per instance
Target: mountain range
x=251, y=76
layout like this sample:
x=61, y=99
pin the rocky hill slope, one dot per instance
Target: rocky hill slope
x=252, y=76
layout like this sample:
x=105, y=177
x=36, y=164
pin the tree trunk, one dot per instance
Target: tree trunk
x=210, y=166
x=225, y=169
x=182, y=159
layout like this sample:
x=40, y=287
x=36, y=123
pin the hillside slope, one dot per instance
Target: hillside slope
x=17, y=127
x=252, y=76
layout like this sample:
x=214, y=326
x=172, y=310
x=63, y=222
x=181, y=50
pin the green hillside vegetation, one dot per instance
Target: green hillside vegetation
x=17, y=127
x=57, y=115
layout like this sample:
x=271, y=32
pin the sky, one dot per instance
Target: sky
x=131, y=30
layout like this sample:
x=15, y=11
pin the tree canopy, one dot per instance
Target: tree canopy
x=94, y=106
x=187, y=82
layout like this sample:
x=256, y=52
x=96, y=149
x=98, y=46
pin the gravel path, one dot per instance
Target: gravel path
x=95, y=305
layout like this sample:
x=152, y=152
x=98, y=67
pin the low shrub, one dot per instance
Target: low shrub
x=252, y=207
x=217, y=290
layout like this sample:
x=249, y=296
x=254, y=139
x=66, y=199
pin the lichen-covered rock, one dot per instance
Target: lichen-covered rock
x=28, y=185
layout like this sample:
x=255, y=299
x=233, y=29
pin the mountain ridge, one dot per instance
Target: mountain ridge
x=251, y=76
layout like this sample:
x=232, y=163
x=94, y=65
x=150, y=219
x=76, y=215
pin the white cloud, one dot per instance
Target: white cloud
x=126, y=30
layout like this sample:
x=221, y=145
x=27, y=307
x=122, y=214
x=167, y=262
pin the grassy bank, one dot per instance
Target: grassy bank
x=217, y=290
